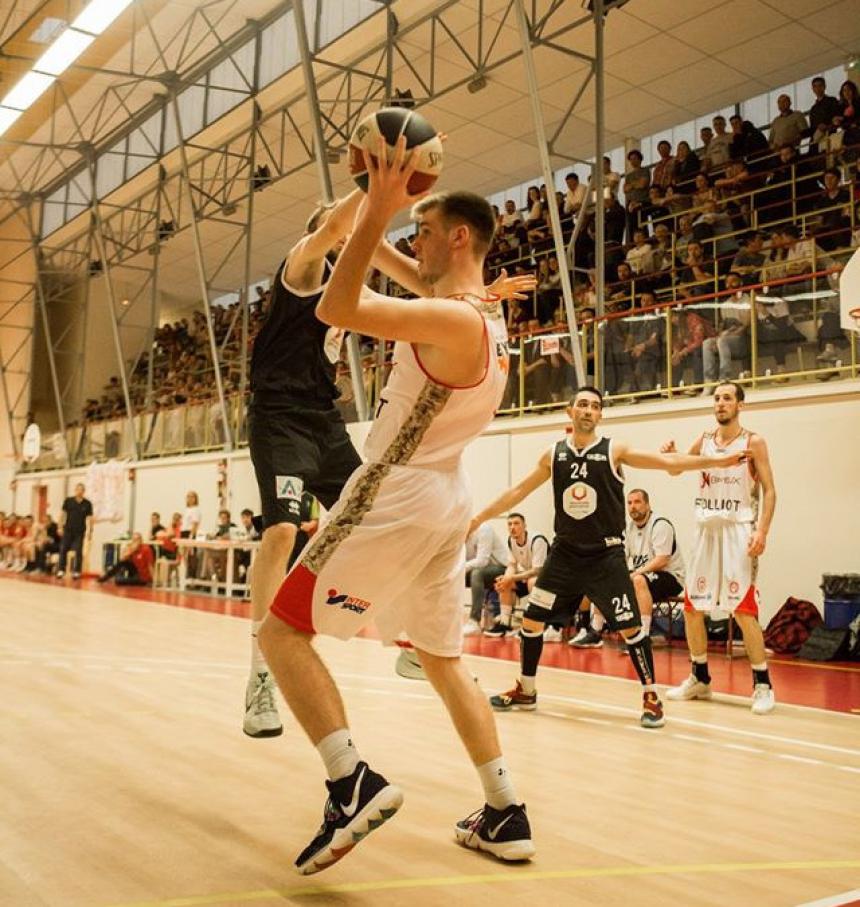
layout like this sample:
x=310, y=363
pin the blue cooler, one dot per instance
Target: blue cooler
x=839, y=612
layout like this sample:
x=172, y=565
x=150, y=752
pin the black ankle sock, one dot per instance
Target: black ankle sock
x=700, y=672
x=761, y=676
x=531, y=648
x=643, y=659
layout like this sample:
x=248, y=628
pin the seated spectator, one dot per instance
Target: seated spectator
x=774, y=329
x=535, y=366
x=751, y=257
x=687, y=167
x=718, y=152
x=47, y=543
x=637, y=181
x=663, y=248
x=167, y=538
x=486, y=559
x=616, y=360
x=684, y=236
x=535, y=221
x=696, y=269
x=834, y=223
x=776, y=202
x=134, y=568
x=644, y=346
x=663, y=174
x=732, y=341
x=623, y=287
x=548, y=289
x=788, y=127
x=214, y=563
x=24, y=548
x=641, y=256
x=703, y=190
x=737, y=179
x=155, y=526
x=690, y=330
x=657, y=207
x=721, y=229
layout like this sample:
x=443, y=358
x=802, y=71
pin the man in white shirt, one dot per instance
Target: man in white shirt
x=486, y=558
x=526, y=555
x=574, y=198
x=718, y=153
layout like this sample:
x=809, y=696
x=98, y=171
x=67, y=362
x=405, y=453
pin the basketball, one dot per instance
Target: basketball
x=391, y=123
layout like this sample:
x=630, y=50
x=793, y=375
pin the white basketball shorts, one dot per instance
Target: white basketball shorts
x=391, y=552
x=720, y=572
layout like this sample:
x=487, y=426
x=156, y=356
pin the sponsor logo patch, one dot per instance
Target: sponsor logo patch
x=579, y=500
x=542, y=598
x=347, y=602
x=701, y=584
x=289, y=488
x=596, y=456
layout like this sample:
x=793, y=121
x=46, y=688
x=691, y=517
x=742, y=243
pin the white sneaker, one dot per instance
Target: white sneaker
x=471, y=628
x=551, y=635
x=409, y=666
x=690, y=689
x=261, y=713
x=762, y=699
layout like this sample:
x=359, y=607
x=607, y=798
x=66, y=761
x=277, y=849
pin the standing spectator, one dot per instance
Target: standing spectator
x=747, y=141
x=637, y=180
x=848, y=117
x=691, y=332
x=76, y=522
x=733, y=339
x=574, y=198
x=611, y=179
x=644, y=343
x=687, y=165
x=191, y=517
x=705, y=134
x=134, y=568
x=486, y=559
x=821, y=114
x=788, y=127
x=664, y=170
x=718, y=152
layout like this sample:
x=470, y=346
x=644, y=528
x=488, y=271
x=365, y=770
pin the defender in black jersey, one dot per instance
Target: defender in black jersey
x=296, y=435
x=587, y=555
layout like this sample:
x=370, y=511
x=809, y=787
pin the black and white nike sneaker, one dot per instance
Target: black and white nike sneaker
x=504, y=833
x=356, y=806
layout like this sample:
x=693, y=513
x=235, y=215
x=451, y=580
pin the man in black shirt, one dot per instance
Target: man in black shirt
x=587, y=555
x=821, y=113
x=76, y=521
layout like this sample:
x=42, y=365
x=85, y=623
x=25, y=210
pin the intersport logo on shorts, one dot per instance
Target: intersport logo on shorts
x=347, y=602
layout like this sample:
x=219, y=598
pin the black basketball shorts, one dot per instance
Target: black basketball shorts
x=296, y=449
x=568, y=575
x=663, y=585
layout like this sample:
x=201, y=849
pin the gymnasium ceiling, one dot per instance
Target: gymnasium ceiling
x=666, y=62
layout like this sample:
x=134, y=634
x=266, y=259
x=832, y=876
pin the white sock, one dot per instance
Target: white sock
x=646, y=623
x=339, y=754
x=496, y=781
x=598, y=621
x=699, y=659
x=505, y=612
x=528, y=685
x=258, y=663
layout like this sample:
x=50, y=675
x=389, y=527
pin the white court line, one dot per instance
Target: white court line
x=836, y=900
x=793, y=758
x=742, y=748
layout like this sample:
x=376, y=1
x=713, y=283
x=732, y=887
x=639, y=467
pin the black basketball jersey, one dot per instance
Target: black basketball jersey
x=588, y=496
x=294, y=354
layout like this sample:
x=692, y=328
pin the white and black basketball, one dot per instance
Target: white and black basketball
x=391, y=123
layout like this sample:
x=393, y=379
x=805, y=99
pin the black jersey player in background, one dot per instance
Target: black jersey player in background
x=297, y=437
x=587, y=554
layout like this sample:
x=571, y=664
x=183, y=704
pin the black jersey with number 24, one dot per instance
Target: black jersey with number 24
x=588, y=495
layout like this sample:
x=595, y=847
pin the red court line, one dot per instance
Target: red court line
x=834, y=686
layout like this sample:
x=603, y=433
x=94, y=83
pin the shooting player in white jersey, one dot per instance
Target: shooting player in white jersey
x=731, y=533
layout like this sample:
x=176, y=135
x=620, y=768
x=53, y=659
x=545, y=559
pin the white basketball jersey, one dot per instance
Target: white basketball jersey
x=727, y=495
x=422, y=422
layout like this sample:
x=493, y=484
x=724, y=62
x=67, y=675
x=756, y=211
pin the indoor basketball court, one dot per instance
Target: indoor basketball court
x=159, y=162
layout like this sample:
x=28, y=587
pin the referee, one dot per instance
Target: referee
x=297, y=437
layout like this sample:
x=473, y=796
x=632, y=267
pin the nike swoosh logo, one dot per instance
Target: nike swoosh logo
x=352, y=806
x=491, y=834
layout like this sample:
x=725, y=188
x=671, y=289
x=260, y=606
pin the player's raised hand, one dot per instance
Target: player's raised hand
x=669, y=447
x=517, y=287
x=388, y=181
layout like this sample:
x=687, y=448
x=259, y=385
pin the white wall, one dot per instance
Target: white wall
x=813, y=433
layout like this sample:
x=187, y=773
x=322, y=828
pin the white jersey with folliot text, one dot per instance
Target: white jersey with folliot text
x=730, y=494
x=421, y=421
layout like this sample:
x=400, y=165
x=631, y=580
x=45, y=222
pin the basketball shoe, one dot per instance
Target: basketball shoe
x=586, y=639
x=516, y=698
x=499, y=630
x=690, y=689
x=763, y=700
x=652, y=711
x=356, y=806
x=408, y=665
x=551, y=634
x=505, y=833
x=261, y=713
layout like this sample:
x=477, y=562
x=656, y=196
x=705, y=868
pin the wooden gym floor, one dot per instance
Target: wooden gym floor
x=127, y=781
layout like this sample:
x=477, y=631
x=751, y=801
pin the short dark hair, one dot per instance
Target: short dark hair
x=634, y=153
x=224, y=512
x=516, y=516
x=462, y=207
x=664, y=142
x=819, y=79
x=739, y=389
x=734, y=274
x=640, y=491
x=246, y=512
x=573, y=174
x=587, y=389
x=834, y=171
x=790, y=230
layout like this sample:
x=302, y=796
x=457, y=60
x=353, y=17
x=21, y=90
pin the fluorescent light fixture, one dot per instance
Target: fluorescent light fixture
x=63, y=52
x=7, y=118
x=48, y=30
x=99, y=14
x=28, y=90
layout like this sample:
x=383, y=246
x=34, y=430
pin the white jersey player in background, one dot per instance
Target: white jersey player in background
x=411, y=497
x=731, y=532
